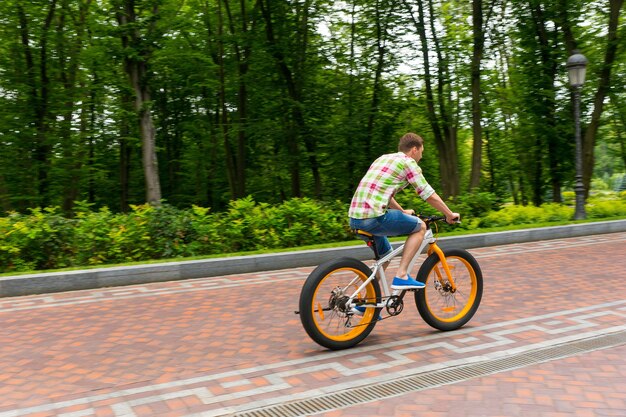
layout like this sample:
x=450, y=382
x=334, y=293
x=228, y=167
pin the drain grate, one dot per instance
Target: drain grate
x=433, y=379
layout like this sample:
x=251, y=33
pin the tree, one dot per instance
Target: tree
x=38, y=81
x=604, y=82
x=477, y=56
x=294, y=83
x=440, y=106
x=138, y=31
x=200, y=102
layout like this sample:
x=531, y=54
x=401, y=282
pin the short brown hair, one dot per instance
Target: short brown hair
x=408, y=141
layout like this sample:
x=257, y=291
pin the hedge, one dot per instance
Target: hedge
x=45, y=239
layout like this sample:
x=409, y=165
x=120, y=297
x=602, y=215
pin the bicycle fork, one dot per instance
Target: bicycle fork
x=444, y=263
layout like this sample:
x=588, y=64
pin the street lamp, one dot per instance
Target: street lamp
x=576, y=68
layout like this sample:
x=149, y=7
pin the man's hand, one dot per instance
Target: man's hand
x=453, y=218
x=410, y=212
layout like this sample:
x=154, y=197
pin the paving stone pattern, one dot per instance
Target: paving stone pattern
x=223, y=345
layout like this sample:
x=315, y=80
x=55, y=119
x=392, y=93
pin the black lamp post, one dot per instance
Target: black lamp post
x=576, y=68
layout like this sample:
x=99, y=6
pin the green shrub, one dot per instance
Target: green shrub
x=599, y=184
x=517, y=215
x=170, y=231
x=244, y=224
x=93, y=238
x=306, y=222
x=295, y=222
x=39, y=240
x=604, y=209
x=569, y=197
x=12, y=241
x=207, y=236
x=475, y=204
x=44, y=239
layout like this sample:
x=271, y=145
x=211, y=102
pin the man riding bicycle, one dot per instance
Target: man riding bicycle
x=374, y=209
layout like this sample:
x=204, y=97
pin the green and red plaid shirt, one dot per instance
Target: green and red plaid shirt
x=385, y=177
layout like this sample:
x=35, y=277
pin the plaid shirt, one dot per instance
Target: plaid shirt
x=385, y=177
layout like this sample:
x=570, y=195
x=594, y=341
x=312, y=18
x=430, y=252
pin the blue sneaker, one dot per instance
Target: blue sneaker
x=360, y=310
x=406, y=284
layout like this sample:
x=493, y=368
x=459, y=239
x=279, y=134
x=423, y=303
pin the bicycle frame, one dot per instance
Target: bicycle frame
x=378, y=270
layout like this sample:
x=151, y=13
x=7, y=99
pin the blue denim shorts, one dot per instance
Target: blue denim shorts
x=392, y=223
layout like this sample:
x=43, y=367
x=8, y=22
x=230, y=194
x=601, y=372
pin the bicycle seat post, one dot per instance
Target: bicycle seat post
x=369, y=240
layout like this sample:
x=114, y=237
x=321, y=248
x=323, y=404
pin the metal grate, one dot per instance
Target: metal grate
x=422, y=381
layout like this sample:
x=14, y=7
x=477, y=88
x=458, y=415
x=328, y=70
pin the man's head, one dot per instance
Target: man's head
x=412, y=145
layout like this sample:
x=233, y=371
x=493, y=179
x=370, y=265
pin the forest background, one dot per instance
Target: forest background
x=108, y=104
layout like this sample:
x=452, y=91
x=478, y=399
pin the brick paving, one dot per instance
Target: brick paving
x=220, y=345
x=587, y=385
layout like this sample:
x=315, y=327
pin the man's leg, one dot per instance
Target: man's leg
x=411, y=246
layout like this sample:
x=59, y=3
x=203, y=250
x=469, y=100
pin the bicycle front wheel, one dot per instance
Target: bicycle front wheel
x=323, y=303
x=441, y=306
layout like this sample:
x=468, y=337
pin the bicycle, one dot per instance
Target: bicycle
x=330, y=294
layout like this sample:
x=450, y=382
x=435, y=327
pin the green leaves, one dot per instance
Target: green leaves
x=300, y=112
x=44, y=239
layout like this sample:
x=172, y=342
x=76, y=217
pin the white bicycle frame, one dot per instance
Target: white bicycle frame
x=377, y=269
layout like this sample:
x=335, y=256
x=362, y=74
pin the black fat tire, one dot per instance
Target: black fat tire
x=466, y=264
x=311, y=321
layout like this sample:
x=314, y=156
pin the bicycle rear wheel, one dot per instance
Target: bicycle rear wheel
x=439, y=305
x=323, y=311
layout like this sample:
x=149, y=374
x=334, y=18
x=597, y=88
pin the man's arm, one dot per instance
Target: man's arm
x=438, y=204
x=393, y=204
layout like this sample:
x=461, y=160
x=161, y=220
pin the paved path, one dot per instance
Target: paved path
x=231, y=345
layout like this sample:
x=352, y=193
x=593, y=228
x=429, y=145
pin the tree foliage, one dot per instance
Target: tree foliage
x=121, y=102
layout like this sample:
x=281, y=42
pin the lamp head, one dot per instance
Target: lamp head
x=576, y=68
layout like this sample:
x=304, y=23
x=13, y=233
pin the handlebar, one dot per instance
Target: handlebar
x=432, y=219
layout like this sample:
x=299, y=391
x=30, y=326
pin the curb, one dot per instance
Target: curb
x=43, y=283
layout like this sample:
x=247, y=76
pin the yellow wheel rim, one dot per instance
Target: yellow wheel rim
x=331, y=321
x=444, y=305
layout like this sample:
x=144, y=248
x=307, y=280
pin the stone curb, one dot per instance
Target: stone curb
x=43, y=283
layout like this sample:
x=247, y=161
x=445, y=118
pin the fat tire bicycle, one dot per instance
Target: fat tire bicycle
x=330, y=294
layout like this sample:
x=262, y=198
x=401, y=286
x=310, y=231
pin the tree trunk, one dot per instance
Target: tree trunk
x=242, y=55
x=148, y=141
x=548, y=99
x=479, y=41
x=300, y=74
x=562, y=8
x=620, y=122
x=224, y=122
x=380, y=65
x=589, y=138
x=353, y=177
x=4, y=194
x=91, y=188
x=136, y=68
x=125, y=153
x=76, y=163
x=213, y=170
x=243, y=58
x=444, y=131
x=39, y=96
x=74, y=151
x=430, y=100
x=294, y=89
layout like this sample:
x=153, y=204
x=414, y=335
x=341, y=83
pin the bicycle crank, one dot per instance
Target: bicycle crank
x=394, y=305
